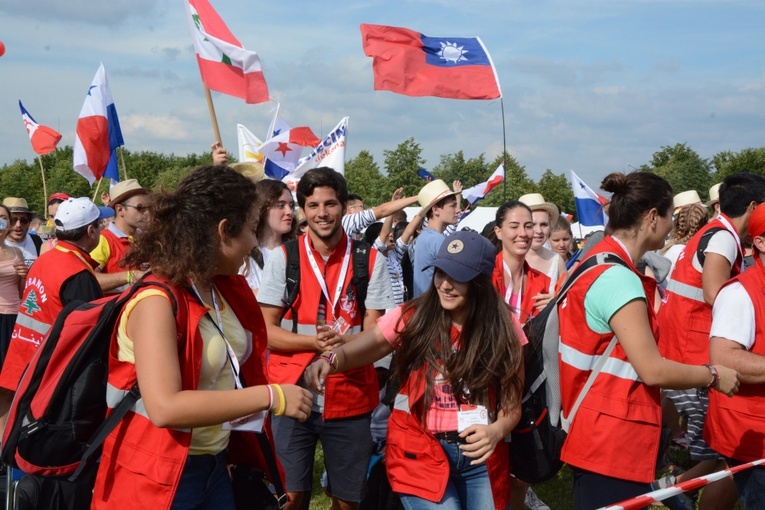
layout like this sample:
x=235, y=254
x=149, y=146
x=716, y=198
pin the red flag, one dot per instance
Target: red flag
x=43, y=138
x=410, y=63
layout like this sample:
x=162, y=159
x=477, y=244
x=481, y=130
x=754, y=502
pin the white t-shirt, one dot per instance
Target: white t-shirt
x=27, y=248
x=723, y=243
x=733, y=315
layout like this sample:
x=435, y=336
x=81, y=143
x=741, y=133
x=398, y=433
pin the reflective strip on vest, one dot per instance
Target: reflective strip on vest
x=33, y=324
x=401, y=403
x=586, y=362
x=685, y=290
x=310, y=329
x=115, y=395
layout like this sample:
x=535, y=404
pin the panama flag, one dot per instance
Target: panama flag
x=282, y=162
x=43, y=138
x=479, y=191
x=328, y=152
x=410, y=63
x=98, y=133
x=589, y=205
x=292, y=140
x=224, y=64
x=249, y=145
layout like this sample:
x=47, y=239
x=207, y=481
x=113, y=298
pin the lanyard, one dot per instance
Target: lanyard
x=232, y=359
x=78, y=255
x=320, y=278
x=722, y=219
x=509, y=292
x=621, y=245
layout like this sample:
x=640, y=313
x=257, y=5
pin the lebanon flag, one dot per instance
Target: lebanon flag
x=328, y=152
x=98, y=133
x=224, y=64
x=43, y=138
x=410, y=63
x=479, y=191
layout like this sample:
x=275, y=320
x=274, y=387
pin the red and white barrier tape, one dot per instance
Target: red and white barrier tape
x=657, y=496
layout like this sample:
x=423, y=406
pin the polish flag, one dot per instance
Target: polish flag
x=43, y=138
x=479, y=191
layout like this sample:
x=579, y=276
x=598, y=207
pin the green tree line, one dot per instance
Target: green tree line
x=679, y=164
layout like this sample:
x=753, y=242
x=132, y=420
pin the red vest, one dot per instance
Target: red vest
x=141, y=464
x=734, y=426
x=41, y=304
x=416, y=462
x=617, y=428
x=118, y=248
x=350, y=393
x=536, y=283
x=685, y=318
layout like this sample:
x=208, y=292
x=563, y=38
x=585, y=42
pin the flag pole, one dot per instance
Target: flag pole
x=122, y=160
x=97, y=186
x=213, y=118
x=504, y=152
x=45, y=188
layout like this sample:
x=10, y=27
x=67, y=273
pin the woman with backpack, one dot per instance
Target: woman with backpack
x=461, y=376
x=194, y=341
x=613, y=440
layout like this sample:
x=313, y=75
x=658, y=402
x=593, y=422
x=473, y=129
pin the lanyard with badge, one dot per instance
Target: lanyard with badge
x=253, y=422
x=339, y=325
x=509, y=292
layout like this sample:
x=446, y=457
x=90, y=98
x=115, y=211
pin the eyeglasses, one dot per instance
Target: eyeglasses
x=140, y=208
x=20, y=219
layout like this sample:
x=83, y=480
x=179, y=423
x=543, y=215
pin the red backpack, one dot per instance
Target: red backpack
x=57, y=421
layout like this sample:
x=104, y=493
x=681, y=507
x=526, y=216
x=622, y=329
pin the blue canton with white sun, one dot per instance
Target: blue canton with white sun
x=454, y=51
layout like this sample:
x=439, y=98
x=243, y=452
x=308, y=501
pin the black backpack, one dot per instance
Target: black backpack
x=360, y=280
x=537, y=440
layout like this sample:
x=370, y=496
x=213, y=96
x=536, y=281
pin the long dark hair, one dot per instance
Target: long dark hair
x=181, y=240
x=484, y=368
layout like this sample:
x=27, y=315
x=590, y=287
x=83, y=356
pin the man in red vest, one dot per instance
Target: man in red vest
x=710, y=258
x=58, y=277
x=326, y=312
x=131, y=212
x=734, y=427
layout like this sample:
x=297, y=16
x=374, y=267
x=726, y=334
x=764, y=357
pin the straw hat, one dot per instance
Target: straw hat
x=536, y=202
x=714, y=195
x=686, y=198
x=250, y=169
x=432, y=192
x=17, y=205
x=124, y=190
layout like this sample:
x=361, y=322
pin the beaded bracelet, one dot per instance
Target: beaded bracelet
x=331, y=358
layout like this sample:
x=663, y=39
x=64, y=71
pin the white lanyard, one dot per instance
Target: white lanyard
x=509, y=292
x=320, y=278
x=232, y=360
x=624, y=248
x=722, y=219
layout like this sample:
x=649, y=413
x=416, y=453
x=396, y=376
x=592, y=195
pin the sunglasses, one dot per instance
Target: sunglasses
x=140, y=208
x=20, y=219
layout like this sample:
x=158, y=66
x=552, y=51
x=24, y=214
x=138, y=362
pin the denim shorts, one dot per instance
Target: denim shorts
x=347, y=445
x=204, y=483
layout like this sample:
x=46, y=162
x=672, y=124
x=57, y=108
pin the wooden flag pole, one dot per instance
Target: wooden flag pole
x=122, y=159
x=97, y=186
x=213, y=118
x=45, y=187
x=504, y=152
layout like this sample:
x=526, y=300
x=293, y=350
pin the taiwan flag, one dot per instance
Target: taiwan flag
x=98, y=133
x=410, y=63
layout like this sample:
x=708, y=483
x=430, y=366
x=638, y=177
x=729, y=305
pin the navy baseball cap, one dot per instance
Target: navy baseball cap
x=464, y=255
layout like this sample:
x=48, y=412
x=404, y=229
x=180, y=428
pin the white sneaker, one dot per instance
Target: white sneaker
x=533, y=502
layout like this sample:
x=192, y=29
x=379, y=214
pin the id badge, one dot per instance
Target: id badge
x=251, y=423
x=341, y=326
x=471, y=415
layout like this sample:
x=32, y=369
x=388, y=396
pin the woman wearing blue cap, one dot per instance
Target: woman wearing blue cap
x=459, y=365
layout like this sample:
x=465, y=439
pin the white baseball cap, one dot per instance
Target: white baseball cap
x=79, y=212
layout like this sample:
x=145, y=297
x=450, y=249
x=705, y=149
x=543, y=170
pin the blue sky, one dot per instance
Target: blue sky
x=588, y=86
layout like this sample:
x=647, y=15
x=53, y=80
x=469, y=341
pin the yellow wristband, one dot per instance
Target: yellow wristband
x=129, y=277
x=282, y=400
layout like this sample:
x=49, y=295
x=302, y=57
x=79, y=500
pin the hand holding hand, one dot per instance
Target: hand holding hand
x=327, y=338
x=727, y=380
x=298, y=401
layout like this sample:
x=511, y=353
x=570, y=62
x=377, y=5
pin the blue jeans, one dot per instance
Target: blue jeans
x=205, y=484
x=468, y=487
x=750, y=484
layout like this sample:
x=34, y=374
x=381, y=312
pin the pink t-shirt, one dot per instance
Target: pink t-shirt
x=442, y=415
